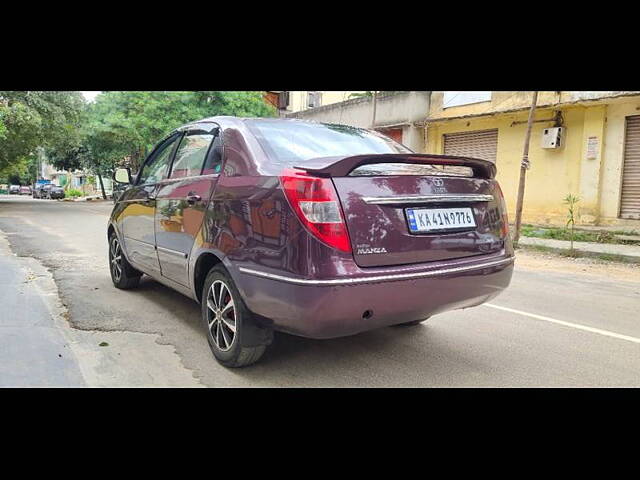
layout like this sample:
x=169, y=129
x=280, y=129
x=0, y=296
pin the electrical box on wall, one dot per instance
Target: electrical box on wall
x=553, y=137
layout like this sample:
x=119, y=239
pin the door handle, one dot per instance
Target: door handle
x=193, y=198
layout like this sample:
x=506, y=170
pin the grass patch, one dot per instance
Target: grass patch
x=602, y=236
x=555, y=251
x=607, y=257
x=612, y=257
x=73, y=193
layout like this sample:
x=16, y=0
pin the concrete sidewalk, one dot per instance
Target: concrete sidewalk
x=40, y=348
x=33, y=349
x=629, y=253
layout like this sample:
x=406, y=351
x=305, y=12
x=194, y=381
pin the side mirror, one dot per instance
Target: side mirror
x=122, y=175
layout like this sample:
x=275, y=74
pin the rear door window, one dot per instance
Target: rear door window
x=191, y=154
x=213, y=164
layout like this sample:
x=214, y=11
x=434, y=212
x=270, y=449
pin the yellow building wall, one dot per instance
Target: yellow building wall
x=595, y=179
x=553, y=173
x=500, y=101
x=590, y=167
x=613, y=154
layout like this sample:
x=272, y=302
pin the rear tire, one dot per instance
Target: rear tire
x=123, y=275
x=235, y=339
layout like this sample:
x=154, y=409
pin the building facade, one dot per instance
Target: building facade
x=397, y=115
x=300, y=101
x=288, y=102
x=80, y=180
x=596, y=158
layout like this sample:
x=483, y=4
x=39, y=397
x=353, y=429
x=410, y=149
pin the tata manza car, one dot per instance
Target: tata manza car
x=312, y=229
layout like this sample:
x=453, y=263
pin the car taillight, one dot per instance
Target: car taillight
x=316, y=204
x=503, y=206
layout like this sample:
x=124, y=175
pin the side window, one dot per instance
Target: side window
x=314, y=99
x=190, y=155
x=214, y=160
x=156, y=168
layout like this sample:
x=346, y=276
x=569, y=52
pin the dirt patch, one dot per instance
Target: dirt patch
x=536, y=260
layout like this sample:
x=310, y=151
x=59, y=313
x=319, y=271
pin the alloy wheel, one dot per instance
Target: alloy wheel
x=116, y=260
x=221, y=315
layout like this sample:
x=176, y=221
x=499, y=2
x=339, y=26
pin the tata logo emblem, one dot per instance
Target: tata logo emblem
x=438, y=182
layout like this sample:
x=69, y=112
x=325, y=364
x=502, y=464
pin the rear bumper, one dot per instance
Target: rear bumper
x=328, y=308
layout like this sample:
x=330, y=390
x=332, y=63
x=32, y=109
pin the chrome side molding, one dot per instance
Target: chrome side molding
x=172, y=252
x=435, y=198
x=378, y=278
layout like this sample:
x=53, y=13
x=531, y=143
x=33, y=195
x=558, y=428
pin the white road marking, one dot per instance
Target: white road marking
x=598, y=331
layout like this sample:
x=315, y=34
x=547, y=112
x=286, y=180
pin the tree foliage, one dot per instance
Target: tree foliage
x=100, y=135
x=32, y=119
x=128, y=124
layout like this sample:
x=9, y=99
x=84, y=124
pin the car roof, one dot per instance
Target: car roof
x=228, y=121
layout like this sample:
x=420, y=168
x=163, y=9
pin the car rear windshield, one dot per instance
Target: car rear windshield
x=289, y=142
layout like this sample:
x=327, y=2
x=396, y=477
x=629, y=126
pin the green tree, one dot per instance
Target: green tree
x=101, y=135
x=126, y=125
x=68, y=158
x=31, y=119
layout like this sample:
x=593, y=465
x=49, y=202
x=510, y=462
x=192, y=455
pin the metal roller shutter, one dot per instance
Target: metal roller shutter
x=630, y=198
x=479, y=144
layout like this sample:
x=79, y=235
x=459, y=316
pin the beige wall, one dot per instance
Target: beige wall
x=298, y=99
x=401, y=110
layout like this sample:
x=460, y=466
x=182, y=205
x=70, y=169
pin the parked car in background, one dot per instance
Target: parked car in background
x=44, y=191
x=37, y=190
x=25, y=190
x=54, y=192
x=317, y=230
x=14, y=189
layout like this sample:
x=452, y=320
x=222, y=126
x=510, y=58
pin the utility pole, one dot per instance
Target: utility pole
x=524, y=166
x=373, y=116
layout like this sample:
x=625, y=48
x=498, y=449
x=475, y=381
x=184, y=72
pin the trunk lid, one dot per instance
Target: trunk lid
x=376, y=191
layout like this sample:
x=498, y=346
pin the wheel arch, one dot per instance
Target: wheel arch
x=111, y=229
x=205, y=262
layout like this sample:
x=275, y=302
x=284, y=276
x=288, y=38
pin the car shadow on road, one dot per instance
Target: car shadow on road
x=183, y=308
x=394, y=356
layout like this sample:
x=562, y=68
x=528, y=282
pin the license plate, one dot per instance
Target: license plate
x=439, y=219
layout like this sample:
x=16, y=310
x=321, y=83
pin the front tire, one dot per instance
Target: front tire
x=235, y=339
x=123, y=275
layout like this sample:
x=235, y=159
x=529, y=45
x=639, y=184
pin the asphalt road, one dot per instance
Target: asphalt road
x=550, y=328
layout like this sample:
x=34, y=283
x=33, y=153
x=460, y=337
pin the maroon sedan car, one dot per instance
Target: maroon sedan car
x=313, y=229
